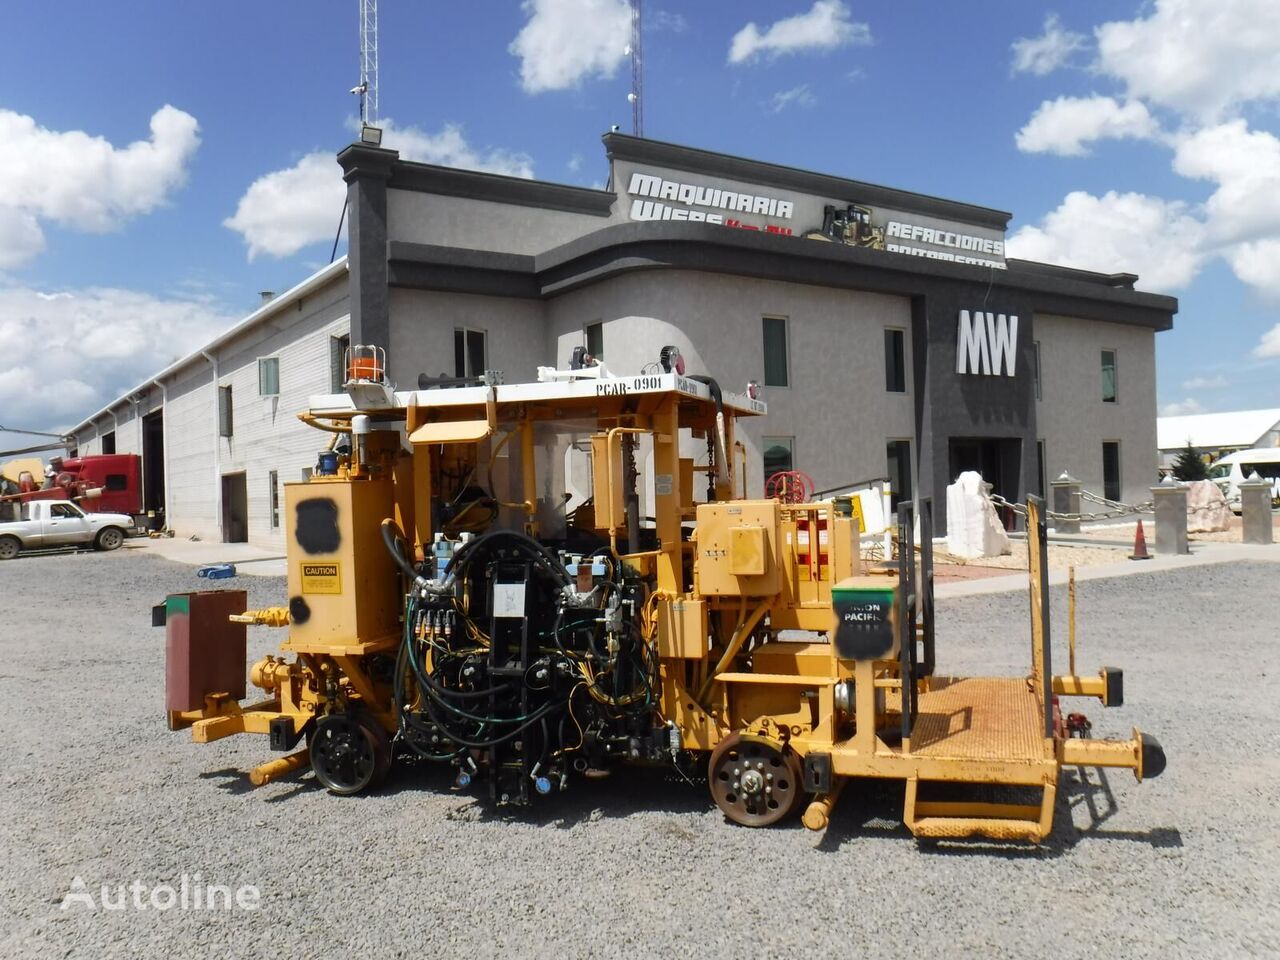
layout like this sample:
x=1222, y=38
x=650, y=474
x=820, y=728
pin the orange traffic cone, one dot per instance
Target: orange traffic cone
x=1140, y=545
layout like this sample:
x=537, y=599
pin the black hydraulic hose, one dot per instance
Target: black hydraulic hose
x=539, y=553
x=392, y=542
x=433, y=685
x=714, y=387
x=481, y=744
x=407, y=720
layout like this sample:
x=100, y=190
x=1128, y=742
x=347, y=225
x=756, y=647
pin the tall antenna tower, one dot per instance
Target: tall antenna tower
x=636, y=96
x=368, y=62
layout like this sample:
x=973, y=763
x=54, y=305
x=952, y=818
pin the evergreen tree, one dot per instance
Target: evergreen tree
x=1189, y=465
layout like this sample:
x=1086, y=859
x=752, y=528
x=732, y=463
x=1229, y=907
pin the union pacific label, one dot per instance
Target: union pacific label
x=321, y=578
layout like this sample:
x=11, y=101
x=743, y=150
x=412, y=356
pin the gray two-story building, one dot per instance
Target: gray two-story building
x=888, y=332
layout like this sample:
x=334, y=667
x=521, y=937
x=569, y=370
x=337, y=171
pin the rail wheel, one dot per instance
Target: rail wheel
x=382, y=748
x=755, y=781
x=348, y=754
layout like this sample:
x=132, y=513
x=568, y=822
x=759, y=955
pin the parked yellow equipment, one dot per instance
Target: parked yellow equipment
x=535, y=582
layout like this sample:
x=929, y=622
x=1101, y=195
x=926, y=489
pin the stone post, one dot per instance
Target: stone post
x=1066, y=499
x=1171, y=518
x=1255, y=510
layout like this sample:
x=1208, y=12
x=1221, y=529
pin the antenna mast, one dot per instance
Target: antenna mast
x=368, y=62
x=636, y=96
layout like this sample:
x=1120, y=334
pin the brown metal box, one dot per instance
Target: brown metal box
x=204, y=651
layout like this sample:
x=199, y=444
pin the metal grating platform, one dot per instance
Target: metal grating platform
x=979, y=718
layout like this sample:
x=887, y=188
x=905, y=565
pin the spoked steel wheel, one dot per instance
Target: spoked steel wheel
x=349, y=753
x=754, y=780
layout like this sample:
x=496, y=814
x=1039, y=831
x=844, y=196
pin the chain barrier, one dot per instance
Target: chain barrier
x=1118, y=509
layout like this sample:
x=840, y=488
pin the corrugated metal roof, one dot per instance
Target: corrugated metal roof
x=1241, y=428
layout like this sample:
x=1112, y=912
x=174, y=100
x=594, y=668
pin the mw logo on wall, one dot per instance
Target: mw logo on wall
x=986, y=343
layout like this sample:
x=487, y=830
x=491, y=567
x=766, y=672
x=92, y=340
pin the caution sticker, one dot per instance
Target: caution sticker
x=321, y=578
x=857, y=514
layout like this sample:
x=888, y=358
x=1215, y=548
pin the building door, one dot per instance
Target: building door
x=997, y=459
x=153, y=467
x=235, y=508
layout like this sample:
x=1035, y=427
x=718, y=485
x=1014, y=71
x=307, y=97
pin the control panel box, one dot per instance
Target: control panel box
x=738, y=545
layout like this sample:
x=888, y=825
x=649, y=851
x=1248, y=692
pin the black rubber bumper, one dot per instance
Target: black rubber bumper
x=1153, y=759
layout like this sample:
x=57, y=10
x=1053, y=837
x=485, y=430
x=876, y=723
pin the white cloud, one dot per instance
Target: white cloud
x=1258, y=264
x=1216, y=382
x=1130, y=232
x=567, y=41
x=83, y=182
x=1246, y=166
x=64, y=354
x=1269, y=345
x=660, y=20
x=801, y=96
x=1182, y=408
x=825, y=27
x=1046, y=53
x=286, y=210
x=1205, y=58
x=449, y=148
x=1064, y=126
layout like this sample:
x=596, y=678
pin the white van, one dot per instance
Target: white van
x=1235, y=468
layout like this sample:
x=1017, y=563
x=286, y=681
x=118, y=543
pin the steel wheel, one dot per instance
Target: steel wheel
x=344, y=754
x=10, y=547
x=755, y=781
x=381, y=748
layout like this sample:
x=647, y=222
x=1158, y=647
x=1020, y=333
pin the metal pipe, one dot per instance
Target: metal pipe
x=275, y=769
x=217, y=437
x=926, y=587
x=906, y=624
x=1071, y=620
x=313, y=421
x=818, y=814
x=739, y=637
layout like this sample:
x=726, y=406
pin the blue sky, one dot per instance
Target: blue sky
x=1121, y=135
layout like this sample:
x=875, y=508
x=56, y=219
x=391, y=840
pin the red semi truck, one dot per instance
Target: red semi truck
x=107, y=483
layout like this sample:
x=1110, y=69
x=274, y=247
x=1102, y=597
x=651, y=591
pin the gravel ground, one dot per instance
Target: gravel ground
x=95, y=787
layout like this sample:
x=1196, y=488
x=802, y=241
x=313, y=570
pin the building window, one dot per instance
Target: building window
x=1035, y=365
x=338, y=362
x=468, y=353
x=109, y=442
x=1111, y=469
x=595, y=340
x=779, y=455
x=1040, y=464
x=274, y=499
x=1108, y=376
x=269, y=376
x=895, y=361
x=775, y=352
x=226, y=426
x=899, y=470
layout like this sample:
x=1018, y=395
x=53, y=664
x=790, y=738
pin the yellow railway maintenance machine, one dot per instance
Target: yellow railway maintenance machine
x=536, y=582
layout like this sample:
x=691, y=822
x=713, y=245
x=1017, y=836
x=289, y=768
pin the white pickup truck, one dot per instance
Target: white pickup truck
x=58, y=523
